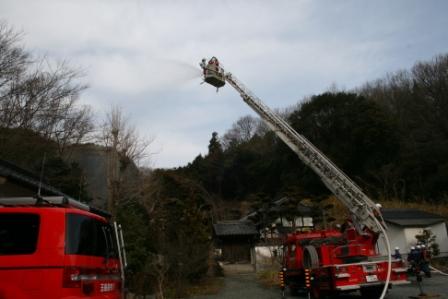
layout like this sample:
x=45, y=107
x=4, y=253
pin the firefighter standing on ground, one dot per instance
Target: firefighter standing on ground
x=419, y=258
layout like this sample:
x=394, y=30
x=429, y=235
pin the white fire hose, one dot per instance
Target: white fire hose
x=389, y=258
x=438, y=271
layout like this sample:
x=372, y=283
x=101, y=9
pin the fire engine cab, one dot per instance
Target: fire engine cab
x=56, y=248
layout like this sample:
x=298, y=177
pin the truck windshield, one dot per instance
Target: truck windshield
x=88, y=236
x=18, y=233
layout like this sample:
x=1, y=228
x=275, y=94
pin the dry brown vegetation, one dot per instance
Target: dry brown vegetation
x=207, y=286
x=339, y=212
x=269, y=278
x=436, y=208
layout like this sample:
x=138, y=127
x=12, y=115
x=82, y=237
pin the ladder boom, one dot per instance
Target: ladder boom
x=363, y=210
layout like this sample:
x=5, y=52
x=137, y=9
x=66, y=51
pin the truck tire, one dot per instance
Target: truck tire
x=310, y=257
x=373, y=292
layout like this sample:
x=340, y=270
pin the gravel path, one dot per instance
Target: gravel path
x=246, y=286
x=438, y=284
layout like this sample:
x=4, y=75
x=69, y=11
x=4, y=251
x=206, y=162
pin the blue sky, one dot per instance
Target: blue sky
x=143, y=55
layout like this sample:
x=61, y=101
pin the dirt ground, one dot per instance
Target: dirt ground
x=246, y=286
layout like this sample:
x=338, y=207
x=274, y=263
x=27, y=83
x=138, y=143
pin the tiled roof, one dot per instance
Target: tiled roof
x=234, y=228
x=411, y=217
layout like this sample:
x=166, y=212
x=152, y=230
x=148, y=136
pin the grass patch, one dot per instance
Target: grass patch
x=268, y=278
x=207, y=286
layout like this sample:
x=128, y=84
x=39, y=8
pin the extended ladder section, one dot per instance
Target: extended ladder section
x=359, y=205
x=363, y=210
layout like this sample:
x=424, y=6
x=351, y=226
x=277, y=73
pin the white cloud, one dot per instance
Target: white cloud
x=143, y=54
x=169, y=149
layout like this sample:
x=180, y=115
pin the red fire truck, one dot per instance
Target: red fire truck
x=337, y=262
x=333, y=261
x=56, y=248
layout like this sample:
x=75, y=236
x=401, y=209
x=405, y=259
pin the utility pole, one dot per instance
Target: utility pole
x=113, y=178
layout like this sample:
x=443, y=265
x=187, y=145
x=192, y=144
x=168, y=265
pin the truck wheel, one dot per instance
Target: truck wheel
x=372, y=292
x=310, y=257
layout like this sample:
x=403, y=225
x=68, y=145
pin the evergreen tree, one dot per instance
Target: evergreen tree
x=214, y=147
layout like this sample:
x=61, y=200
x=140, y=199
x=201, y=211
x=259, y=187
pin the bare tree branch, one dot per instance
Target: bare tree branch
x=117, y=129
x=40, y=96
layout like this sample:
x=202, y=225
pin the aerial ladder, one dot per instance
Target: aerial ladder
x=365, y=214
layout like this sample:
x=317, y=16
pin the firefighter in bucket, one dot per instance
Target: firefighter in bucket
x=213, y=73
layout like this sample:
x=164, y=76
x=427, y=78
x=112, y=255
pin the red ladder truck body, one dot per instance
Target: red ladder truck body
x=339, y=262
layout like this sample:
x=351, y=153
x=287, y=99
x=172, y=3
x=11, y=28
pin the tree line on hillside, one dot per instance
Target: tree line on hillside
x=390, y=136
